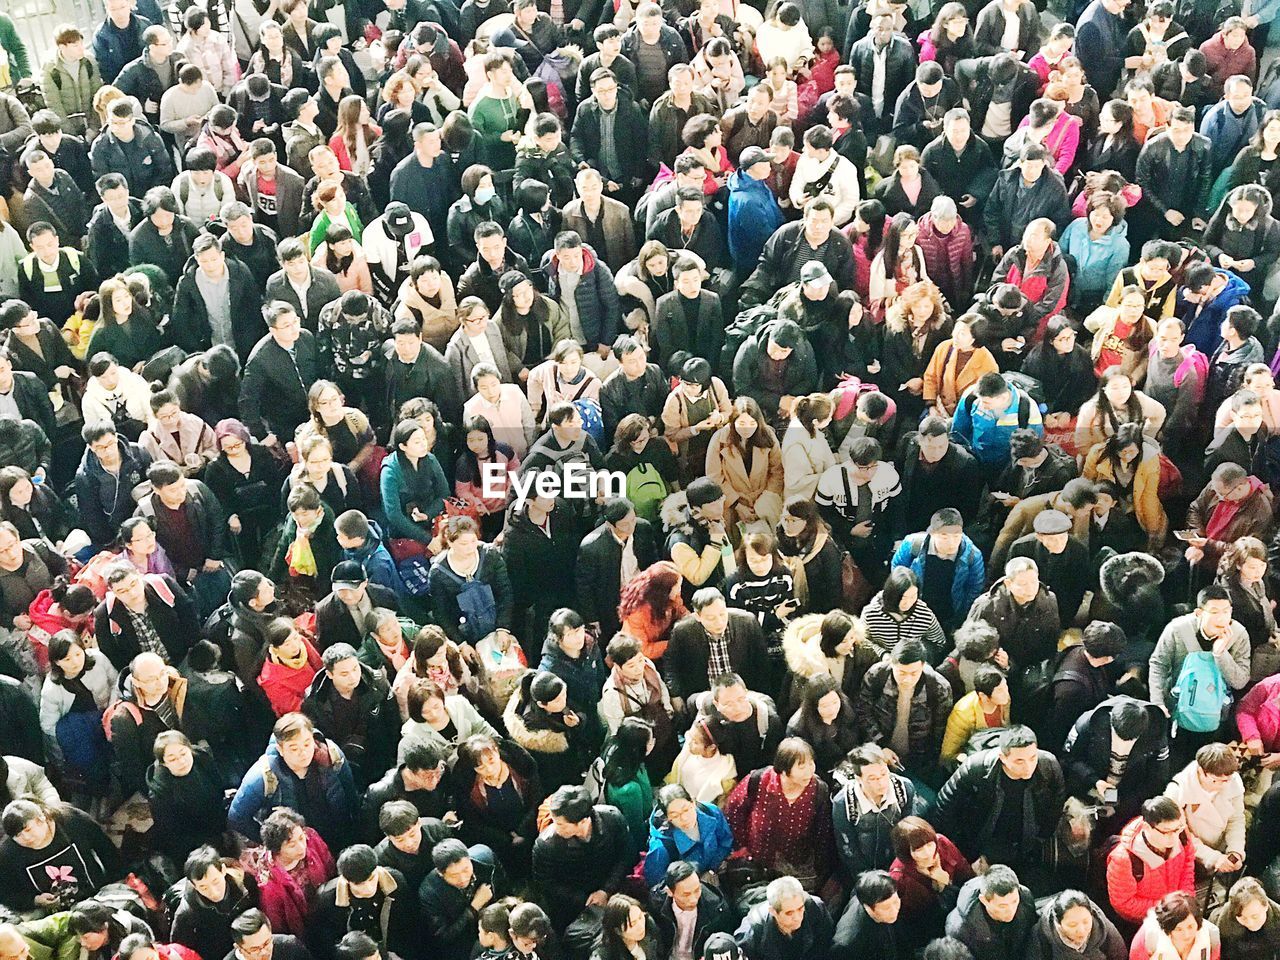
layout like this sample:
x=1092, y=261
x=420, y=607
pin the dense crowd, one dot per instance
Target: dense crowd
x=582, y=480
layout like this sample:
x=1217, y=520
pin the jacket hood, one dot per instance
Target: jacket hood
x=1097, y=933
x=1122, y=575
x=551, y=262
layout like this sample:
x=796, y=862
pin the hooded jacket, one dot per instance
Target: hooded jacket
x=1214, y=820
x=754, y=215
x=1098, y=262
x=205, y=927
x=800, y=376
x=970, y=924
x=371, y=743
x=394, y=927
x=1239, y=943
x=1103, y=943
x=1138, y=878
x=668, y=843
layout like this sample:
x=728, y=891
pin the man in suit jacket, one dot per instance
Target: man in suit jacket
x=277, y=376
x=28, y=394
x=611, y=555
x=340, y=616
x=306, y=288
x=687, y=662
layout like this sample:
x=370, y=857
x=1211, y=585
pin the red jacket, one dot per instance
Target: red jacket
x=1135, y=886
x=948, y=258
x=919, y=899
x=284, y=686
x=284, y=898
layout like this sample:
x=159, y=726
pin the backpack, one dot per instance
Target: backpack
x=749, y=322
x=479, y=610
x=1028, y=390
x=109, y=714
x=1200, y=694
x=592, y=418
x=184, y=190
x=646, y=490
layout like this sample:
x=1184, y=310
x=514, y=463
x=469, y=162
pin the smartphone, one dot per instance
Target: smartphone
x=1187, y=535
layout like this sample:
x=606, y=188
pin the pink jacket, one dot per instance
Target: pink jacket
x=1063, y=140
x=1258, y=716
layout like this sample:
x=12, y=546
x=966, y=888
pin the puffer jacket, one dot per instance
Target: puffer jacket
x=969, y=924
x=927, y=720
x=105, y=499
x=1258, y=240
x=754, y=215
x=1137, y=878
x=970, y=572
x=1045, y=286
x=24, y=444
x=1028, y=633
x=328, y=794
x=1239, y=943
x=1103, y=943
x=596, y=297
x=1013, y=204
x=948, y=258
x=1098, y=262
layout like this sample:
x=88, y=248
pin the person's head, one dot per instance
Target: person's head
x=283, y=323
x=1103, y=642
x=251, y=933
x=914, y=841
x=1248, y=903
x=794, y=761
x=731, y=699
x=993, y=395
x=1178, y=916
x=1182, y=126
x=681, y=878
x=877, y=894
x=623, y=924
x=787, y=901
x=295, y=737
x=126, y=584
x=1162, y=823
x=1019, y=754
x=992, y=687
x=206, y=873
x=907, y=662
x=946, y=531
x=1216, y=766
x=1240, y=323
x=999, y=892
x=571, y=812
x=1213, y=608
x=1244, y=559
x=871, y=769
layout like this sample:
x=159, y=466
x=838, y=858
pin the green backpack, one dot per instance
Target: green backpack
x=646, y=490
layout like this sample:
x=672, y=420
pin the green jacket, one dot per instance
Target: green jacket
x=51, y=938
x=19, y=65
x=69, y=90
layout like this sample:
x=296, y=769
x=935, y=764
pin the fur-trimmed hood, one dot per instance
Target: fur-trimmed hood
x=1126, y=573
x=801, y=646
x=535, y=741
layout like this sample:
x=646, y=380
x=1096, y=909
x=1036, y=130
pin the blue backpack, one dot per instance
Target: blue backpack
x=1200, y=696
x=592, y=419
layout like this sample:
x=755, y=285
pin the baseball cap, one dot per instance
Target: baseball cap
x=348, y=573
x=751, y=156
x=814, y=272
x=721, y=946
x=398, y=218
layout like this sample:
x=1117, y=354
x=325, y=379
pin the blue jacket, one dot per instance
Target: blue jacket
x=1097, y=261
x=377, y=561
x=110, y=46
x=1204, y=330
x=428, y=492
x=754, y=215
x=987, y=436
x=596, y=297
x=270, y=784
x=1228, y=131
x=708, y=852
x=584, y=676
x=105, y=499
x=969, y=578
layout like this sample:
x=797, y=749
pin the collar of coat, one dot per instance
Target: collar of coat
x=386, y=886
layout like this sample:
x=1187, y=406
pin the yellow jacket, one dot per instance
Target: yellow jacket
x=967, y=719
x=943, y=382
x=1146, y=486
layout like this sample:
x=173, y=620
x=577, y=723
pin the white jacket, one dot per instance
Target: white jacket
x=1215, y=820
x=384, y=252
x=27, y=779
x=804, y=460
x=842, y=190
x=56, y=700
x=99, y=405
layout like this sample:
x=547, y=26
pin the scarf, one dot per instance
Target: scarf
x=1225, y=513
x=296, y=662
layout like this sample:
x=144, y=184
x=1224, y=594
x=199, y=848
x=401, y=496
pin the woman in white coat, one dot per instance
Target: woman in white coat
x=806, y=454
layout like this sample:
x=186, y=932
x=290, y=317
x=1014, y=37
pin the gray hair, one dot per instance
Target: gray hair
x=943, y=208
x=783, y=888
x=1020, y=565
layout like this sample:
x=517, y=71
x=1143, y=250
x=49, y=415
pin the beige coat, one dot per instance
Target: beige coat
x=754, y=487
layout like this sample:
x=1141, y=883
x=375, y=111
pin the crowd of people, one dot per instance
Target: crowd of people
x=926, y=358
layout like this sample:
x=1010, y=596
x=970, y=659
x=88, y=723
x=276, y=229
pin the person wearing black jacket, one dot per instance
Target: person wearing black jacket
x=637, y=386
x=1174, y=171
x=1029, y=191
x=582, y=856
x=600, y=562
x=630, y=127
x=320, y=286
x=408, y=839
x=743, y=724
x=185, y=789
x=935, y=472
x=871, y=925
x=691, y=226
x=107, y=245
x=159, y=599
x=365, y=898
x=353, y=706
x=28, y=394
x=972, y=810
x=421, y=780
x=686, y=664
x=210, y=266
x=682, y=887
x=882, y=44
x=1000, y=78
x=1082, y=680
x=1089, y=753
x=541, y=550
x=464, y=881
x=215, y=894
x=962, y=164
x=279, y=372
x=919, y=114
x=795, y=244
x=253, y=939
x=340, y=616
